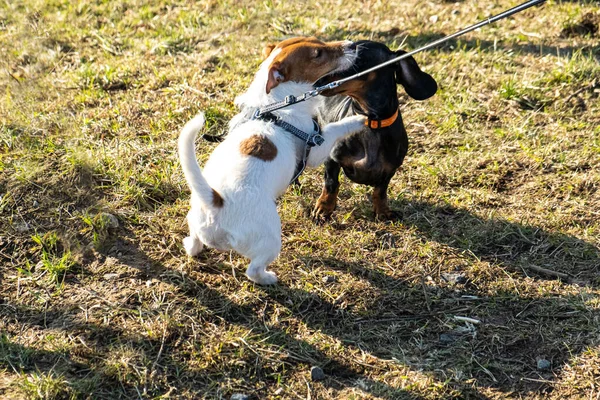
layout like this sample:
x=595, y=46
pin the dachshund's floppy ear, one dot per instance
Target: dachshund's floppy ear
x=418, y=84
x=266, y=52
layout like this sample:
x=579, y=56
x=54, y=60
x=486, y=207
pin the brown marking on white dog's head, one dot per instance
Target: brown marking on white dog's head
x=305, y=59
x=260, y=147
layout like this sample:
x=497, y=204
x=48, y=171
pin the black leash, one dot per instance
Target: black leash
x=314, y=138
x=289, y=100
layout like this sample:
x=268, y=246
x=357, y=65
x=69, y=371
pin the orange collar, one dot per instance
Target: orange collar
x=381, y=123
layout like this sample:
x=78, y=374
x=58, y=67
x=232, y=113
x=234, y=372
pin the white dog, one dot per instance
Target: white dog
x=233, y=197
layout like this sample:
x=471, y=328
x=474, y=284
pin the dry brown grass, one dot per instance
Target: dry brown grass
x=501, y=180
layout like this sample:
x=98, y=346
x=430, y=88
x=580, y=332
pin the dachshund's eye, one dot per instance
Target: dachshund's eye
x=318, y=53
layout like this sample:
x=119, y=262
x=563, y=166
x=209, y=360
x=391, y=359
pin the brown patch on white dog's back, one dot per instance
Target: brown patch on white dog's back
x=260, y=147
x=217, y=200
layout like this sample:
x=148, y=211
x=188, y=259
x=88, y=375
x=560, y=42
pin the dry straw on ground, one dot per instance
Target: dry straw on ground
x=492, y=271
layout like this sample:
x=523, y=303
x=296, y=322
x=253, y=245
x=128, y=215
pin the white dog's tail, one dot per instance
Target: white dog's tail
x=193, y=174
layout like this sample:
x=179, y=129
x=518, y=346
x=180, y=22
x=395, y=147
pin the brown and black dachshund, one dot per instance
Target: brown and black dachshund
x=372, y=155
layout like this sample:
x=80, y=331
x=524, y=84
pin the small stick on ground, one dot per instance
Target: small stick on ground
x=549, y=272
x=583, y=89
x=427, y=299
x=467, y=319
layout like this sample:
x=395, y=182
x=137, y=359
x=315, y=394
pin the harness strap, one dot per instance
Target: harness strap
x=310, y=139
x=214, y=138
x=381, y=123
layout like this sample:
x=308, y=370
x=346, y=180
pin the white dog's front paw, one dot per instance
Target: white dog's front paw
x=192, y=246
x=355, y=123
x=262, y=277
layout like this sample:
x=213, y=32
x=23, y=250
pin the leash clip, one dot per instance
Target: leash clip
x=315, y=140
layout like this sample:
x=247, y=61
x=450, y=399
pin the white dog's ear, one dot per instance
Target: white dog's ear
x=275, y=77
x=266, y=52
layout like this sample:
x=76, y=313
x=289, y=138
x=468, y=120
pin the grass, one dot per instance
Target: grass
x=499, y=197
x=44, y=387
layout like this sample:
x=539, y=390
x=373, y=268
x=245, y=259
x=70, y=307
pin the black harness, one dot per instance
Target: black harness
x=310, y=139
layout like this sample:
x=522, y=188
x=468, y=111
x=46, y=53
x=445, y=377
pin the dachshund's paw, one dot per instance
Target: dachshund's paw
x=322, y=211
x=388, y=215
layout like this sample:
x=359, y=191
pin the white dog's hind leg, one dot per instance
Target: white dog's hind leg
x=192, y=245
x=331, y=133
x=267, y=252
x=257, y=271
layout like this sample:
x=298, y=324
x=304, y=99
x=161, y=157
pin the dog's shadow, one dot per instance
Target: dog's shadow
x=252, y=316
x=524, y=319
x=527, y=249
x=415, y=325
